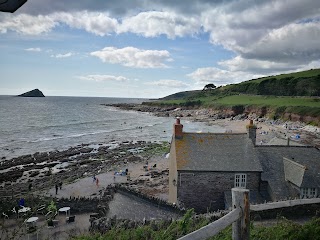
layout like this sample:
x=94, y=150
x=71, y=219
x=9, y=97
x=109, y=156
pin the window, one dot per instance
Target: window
x=304, y=192
x=240, y=180
x=312, y=192
x=308, y=192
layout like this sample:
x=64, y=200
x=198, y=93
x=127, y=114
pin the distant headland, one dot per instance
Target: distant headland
x=32, y=93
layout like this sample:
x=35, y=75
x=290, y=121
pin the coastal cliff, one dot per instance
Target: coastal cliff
x=32, y=93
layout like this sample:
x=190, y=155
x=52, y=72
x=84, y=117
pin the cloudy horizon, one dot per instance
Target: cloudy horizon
x=150, y=49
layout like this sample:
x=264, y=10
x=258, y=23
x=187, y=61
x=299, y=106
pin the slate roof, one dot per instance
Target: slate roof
x=293, y=171
x=216, y=152
x=271, y=158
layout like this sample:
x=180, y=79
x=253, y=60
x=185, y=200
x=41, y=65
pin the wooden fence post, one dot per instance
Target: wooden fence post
x=241, y=227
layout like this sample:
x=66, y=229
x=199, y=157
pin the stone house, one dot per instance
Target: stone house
x=290, y=171
x=203, y=167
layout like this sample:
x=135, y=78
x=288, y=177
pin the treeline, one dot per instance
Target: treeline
x=289, y=86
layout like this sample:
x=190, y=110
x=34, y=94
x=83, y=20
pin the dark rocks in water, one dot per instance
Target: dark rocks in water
x=32, y=93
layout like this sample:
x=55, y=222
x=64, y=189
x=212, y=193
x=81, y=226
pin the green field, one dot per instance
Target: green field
x=308, y=73
x=277, y=101
x=268, y=101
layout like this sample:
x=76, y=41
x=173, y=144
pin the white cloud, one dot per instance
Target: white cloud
x=33, y=49
x=155, y=23
x=255, y=66
x=289, y=48
x=219, y=76
x=69, y=54
x=117, y=8
x=238, y=24
x=26, y=24
x=267, y=36
x=102, y=78
x=94, y=22
x=169, y=83
x=292, y=43
x=148, y=24
x=311, y=65
x=133, y=57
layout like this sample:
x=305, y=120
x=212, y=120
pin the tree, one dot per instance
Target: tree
x=209, y=86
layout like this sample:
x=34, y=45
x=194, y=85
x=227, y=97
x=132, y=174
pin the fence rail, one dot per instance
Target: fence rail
x=214, y=227
x=239, y=216
x=281, y=204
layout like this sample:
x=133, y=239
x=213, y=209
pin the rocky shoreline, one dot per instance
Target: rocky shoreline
x=310, y=135
x=40, y=171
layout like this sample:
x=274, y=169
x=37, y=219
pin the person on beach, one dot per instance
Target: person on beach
x=94, y=178
x=21, y=202
x=60, y=185
x=97, y=182
x=57, y=187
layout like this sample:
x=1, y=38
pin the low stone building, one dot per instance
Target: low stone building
x=205, y=166
x=290, y=171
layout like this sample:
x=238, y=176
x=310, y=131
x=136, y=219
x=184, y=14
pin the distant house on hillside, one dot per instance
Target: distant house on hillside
x=205, y=166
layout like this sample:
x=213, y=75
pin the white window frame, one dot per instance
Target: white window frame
x=312, y=192
x=308, y=192
x=304, y=192
x=240, y=180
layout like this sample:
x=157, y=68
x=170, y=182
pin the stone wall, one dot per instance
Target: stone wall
x=79, y=205
x=99, y=205
x=154, y=200
x=204, y=191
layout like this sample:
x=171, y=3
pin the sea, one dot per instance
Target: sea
x=29, y=125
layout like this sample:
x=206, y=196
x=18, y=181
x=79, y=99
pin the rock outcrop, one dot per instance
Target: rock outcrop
x=32, y=93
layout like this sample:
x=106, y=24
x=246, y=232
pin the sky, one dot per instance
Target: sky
x=150, y=49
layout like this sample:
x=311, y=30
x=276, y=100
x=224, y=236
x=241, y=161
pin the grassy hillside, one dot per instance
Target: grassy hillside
x=305, y=83
x=268, y=101
x=303, y=74
x=287, y=86
x=279, y=96
x=181, y=95
x=270, y=106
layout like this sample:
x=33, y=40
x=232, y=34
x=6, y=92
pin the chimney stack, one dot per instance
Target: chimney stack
x=252, y=131
x=177, y=129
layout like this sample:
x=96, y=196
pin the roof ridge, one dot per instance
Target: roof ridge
x=244, y=133
x=286, y=146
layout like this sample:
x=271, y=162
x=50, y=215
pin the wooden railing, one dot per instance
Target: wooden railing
x=239, y=217
x=288, y=203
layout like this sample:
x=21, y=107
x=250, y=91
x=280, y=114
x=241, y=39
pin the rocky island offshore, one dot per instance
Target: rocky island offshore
x=32, y=93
